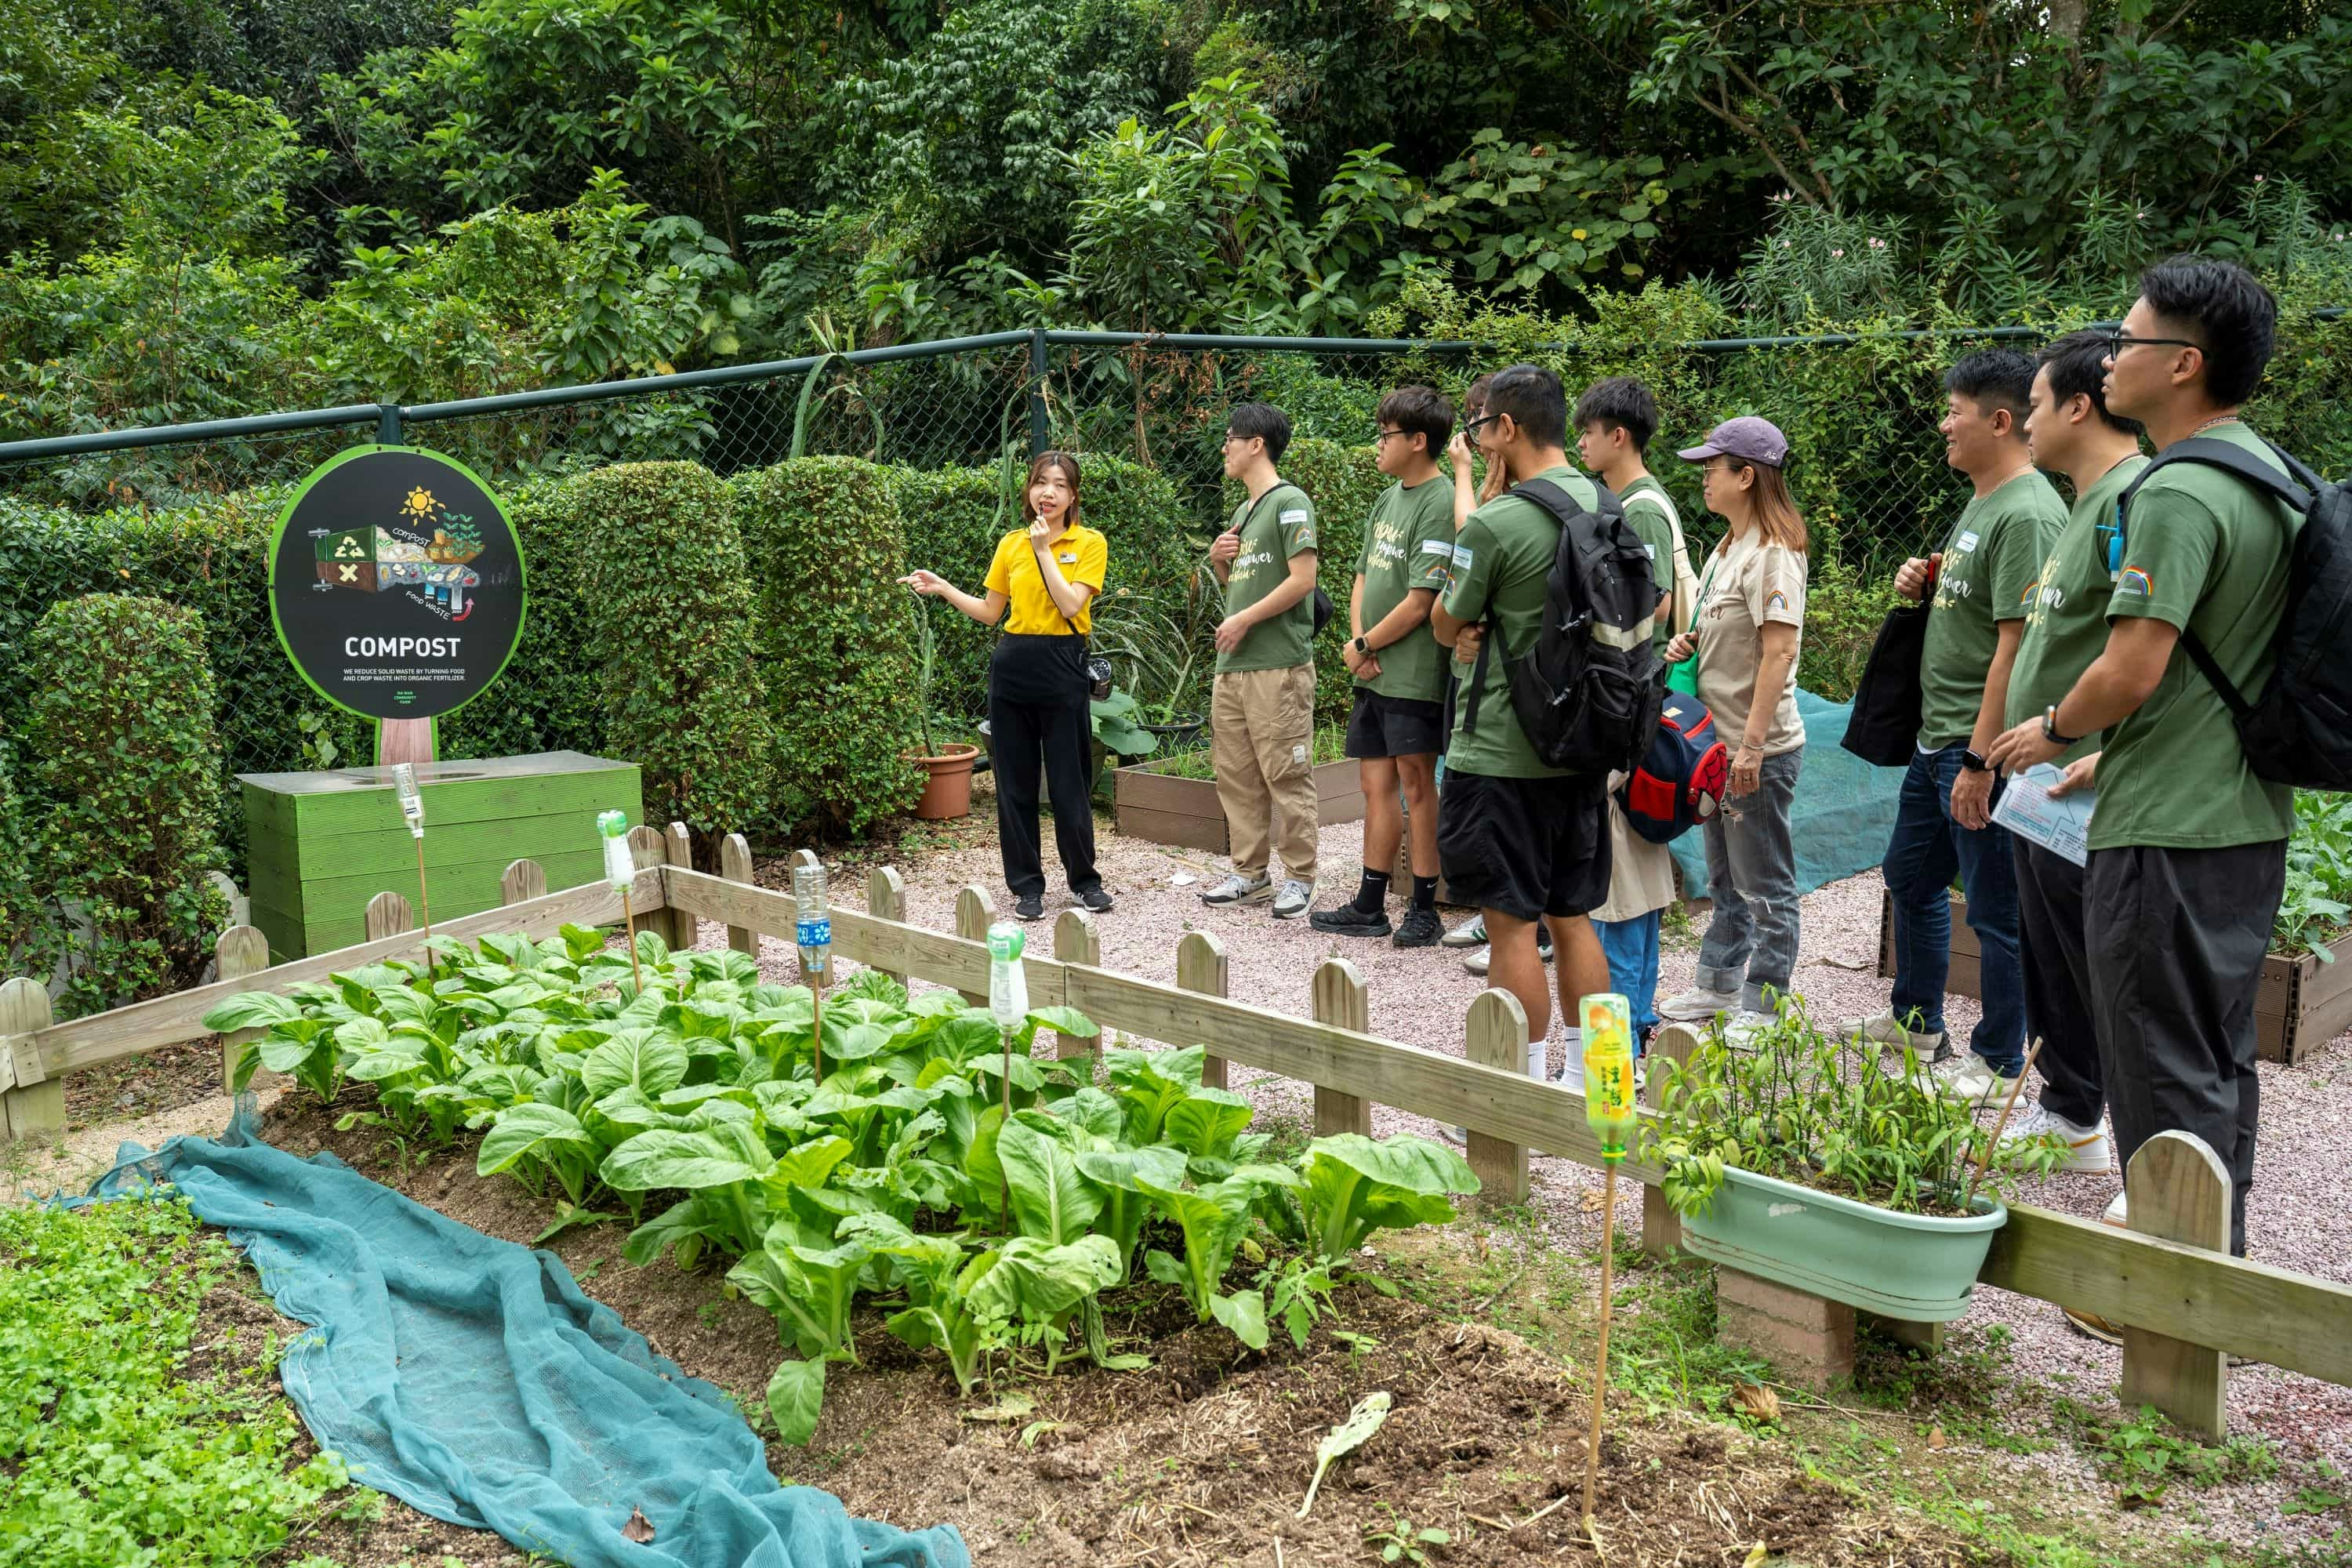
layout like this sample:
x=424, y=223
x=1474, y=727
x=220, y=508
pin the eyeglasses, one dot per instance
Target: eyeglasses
x=1472, y=426
x=2118, y=342
x=1231, y=439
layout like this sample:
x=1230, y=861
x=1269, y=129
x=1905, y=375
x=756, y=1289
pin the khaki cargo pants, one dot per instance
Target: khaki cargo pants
x=1261, y=743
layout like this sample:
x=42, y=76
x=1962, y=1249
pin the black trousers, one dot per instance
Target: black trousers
x=2174, y=940
x=1038, y=713
x=2058, y=984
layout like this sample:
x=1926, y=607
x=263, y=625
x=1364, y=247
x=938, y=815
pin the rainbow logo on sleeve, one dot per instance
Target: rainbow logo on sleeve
x=2135, y=580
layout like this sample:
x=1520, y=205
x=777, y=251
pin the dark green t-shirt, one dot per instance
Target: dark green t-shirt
x=1645, y=502
x=1502, y=558
x=1407, y=544
x=1989, y=563
x=2066, y=618
x=2206, y=552
x=1277, y=526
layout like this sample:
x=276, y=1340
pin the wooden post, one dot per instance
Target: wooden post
x=1075, y=940
x=1498, y=1038
x=1200, y=967
x=242, y=951
x=885, y=899
x=522, y=882
x=1342, y=1001
x=33, y=1110
x=2179, y=1191
x=975, y=912
x=1662, y=1227
x=735, y=865
x=678, y=926
x=388, y=914
x=646, y=849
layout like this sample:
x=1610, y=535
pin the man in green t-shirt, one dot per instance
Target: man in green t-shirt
x=1522, y=841
x=1262, y=702
x=1395, y=727
x=1977, y=589
x=2187, y=844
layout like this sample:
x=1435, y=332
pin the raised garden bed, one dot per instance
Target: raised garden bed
x=1155, y=803
x=2303, y=1002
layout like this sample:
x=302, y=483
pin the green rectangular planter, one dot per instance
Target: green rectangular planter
x=1918, y=1267
x=324, y=844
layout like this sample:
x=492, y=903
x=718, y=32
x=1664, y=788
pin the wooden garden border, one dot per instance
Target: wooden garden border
x=2186, y=1304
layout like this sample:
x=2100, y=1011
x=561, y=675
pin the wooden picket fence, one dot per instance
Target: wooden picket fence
x=2187, y=1302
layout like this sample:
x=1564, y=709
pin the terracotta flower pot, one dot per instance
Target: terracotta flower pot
x=947, y=786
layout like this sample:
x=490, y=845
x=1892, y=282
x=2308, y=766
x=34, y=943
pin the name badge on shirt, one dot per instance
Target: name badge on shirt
x=1462, y=558
x=1288, y=518
x=1964, y=543
x=1067, y=558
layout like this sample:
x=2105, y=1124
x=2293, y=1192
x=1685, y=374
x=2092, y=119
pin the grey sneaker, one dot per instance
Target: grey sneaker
x=1471, y=932
x=1699, y=1006
x=1237, y=889
x=1292, y=902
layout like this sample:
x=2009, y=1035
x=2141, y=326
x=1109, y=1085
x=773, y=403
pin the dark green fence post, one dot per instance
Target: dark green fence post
x=387, y=425
x=1040, y=431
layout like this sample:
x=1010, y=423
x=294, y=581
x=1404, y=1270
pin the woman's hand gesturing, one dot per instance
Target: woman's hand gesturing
x=929, y=583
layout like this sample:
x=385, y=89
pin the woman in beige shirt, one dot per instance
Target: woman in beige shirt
x=1751, y=618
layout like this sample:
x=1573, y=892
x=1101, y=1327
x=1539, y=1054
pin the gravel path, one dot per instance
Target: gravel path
x=1420, y=997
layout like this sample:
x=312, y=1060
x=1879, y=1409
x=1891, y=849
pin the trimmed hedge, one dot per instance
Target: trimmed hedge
x=123, y=756
x=835, y=638
x=20, y=921
x=547, y=700
x=953, y=518
x=662, y=563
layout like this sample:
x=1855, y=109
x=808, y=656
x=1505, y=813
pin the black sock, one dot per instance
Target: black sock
x=1425, y=893
x=1372, y=892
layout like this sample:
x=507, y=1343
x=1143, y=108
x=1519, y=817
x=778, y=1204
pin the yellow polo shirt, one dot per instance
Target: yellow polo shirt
x=1082, y=555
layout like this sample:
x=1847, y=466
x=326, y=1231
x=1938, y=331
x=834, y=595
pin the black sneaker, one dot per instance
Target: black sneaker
x=1350, y=920
x=1032, y=908
x=1420, y=928
x=1097, y=899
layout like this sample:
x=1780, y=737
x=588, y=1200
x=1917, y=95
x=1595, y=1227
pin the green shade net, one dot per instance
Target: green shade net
x=1843, y=816
x=471, y=1379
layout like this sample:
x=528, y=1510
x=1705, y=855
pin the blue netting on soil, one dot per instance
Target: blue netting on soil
x=472, y=1380
x=1844, y=814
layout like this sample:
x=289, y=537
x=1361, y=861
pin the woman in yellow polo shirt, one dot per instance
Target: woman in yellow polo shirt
x=1048, y=572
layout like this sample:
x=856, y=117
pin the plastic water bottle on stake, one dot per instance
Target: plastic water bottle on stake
x=813, y=933
x=1008, y=1003
x=411, y=810
x=621, y=875
x=1608, y=1020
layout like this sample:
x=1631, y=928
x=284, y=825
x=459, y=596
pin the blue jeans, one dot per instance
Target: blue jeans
x=1632, y=949
x=1927, y=850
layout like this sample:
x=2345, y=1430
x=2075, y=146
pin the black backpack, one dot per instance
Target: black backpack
x=1589, y=691
x=2299, y=730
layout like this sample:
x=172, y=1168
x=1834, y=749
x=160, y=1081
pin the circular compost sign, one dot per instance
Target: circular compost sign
x=396, y=583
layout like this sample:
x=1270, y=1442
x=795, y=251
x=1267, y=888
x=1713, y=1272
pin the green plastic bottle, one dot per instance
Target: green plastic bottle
x=1608, y=1072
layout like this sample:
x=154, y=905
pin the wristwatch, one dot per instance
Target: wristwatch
x=1363, y=647
x=1972, y=762
x=2050, y=727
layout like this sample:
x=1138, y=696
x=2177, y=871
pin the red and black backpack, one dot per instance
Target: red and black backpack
x=1679, y=781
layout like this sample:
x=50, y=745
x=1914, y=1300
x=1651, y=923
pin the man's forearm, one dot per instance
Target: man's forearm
x=1294, y=588
x=1398, y=623
x=2125, y=675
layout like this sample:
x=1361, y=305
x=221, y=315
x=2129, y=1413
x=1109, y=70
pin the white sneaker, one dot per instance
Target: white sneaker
x=2117, y=1213
x=1477, y=963
x=1471, y=932
x=2087, y=1148
x=1698, y=1005
x=1883, y=1028
x=1292, y=902
x=1237, y=889
x=1977, y=1082
x=1741, y=1029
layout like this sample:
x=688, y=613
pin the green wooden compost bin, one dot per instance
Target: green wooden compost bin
x=322, y=844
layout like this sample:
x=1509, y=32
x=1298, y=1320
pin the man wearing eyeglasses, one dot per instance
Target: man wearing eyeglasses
x=2188, y=845
x=1394, y=729
x=1262, y=702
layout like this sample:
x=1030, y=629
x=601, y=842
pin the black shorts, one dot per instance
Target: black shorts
x=1394, y=726
x=1525, y=847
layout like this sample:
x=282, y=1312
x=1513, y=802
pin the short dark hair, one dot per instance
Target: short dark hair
x=1262, y=419
x=2227, y=310
x=2077, y=364
x=1621, y=403
x=1533, y=399
x=1995, y=378
x=1418, y=410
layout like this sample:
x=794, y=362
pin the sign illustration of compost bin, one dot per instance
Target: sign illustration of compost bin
x=396, y=583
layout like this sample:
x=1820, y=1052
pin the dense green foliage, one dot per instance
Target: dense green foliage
x=122, y=1439
x=835, y=636
x=663, y=563
x=124, y=766
x=908, y=1148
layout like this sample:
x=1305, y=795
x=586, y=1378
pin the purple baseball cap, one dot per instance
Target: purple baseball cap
x=1747, y=437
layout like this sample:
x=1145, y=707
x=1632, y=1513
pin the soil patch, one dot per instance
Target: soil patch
x=1204, y=1457
x=165, y=1078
